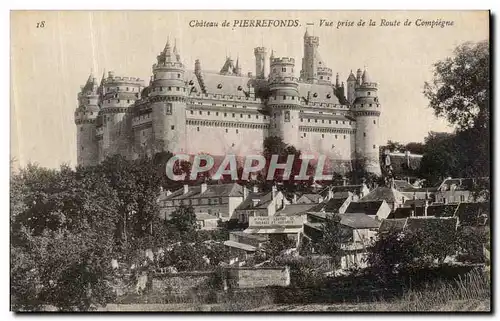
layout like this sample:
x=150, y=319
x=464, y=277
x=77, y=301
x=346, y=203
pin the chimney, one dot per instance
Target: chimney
x=245, y=192
x=255, y=201
x=344, y=181
x=274, y=191
x=203, y=188
x=294, y=200
x=186, y=189
x=255, y=189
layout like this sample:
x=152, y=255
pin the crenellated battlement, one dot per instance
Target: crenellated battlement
x=325, y=70
x=311, y=40
x=259, y=50
x=282, y=60
x=177, y=65
x=371, y=85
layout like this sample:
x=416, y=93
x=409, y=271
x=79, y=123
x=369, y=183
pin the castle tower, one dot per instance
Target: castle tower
x=118, y=96
x=366, y=109
x=310, y=62
x=168, y=96
x=237, y=67
x=284, y=102
x=351, y=88
x=260, y=62
x=358, y=76
x=85, y=119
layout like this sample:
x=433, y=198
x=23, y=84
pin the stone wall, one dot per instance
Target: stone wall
x=180, y=283
x=248, y=277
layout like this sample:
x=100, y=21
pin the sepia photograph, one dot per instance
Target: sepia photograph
x=250, y=161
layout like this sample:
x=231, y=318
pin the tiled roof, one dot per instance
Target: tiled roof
x=205, y=217
x=333, y=205
x=347, y=188
x=404, y=212
x=470, y=213
x=216, y=190
x=250, y=236
x=441, y=210
x=439, y=223
x=321, y=91
x=358, y=221
x=399, y=163
x=241, y=246
x=419, y=190
x=225, y=84
x=389, y=225
x=296, y=209
x=417, y=203
x=368, y=208
x=460, y=183
x=264, y=199
x=401, y=185
x=312, y=197
x=382, y=193
x=343, y=195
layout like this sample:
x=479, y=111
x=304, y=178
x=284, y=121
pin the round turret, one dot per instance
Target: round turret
x=324, y=75
x=366, y=108
x=118, y=96
x=120, y=92
x=167, y=95
x=282, y=80
x=284, y=101
x=85, y=118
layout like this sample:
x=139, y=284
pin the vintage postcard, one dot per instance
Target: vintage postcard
x=250, y=161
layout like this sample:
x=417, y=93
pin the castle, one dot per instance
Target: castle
x=228, y=112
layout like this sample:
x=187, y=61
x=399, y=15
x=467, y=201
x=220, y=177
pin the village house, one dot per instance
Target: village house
x=218, y=200
x=277, y=226
x=416, y=223
x=359, y=231
x=378, y=210
x=258, y=204
x=390, y=195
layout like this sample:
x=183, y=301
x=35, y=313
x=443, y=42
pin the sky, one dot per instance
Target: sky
x=49, y=64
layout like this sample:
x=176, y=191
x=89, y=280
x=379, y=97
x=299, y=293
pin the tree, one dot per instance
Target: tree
x=334, y=237
x=137, y=185
x=274, y=145
x=394, y=146
x=390, y=253
x=184, y=220
x=62, y=228
x=441, y=159
x=460, y=88
x=277, y=244
x=359, y=174
x=415, y=148
x=460, y=92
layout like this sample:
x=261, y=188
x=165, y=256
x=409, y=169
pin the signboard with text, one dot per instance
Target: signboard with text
x=276, y=221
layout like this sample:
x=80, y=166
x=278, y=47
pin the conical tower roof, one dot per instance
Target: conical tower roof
x=351, y=77
x=366, y=78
